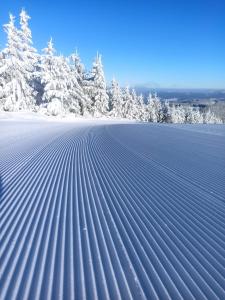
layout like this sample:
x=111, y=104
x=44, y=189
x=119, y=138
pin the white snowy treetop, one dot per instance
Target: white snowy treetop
x=49, y=50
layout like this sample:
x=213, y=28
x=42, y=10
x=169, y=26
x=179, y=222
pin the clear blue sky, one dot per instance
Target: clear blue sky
x=177, y=43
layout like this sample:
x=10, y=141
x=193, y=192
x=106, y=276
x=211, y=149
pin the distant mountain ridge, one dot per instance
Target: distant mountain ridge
x=184, y=95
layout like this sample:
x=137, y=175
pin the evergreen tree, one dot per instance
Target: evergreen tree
x=177, y=114
x=17, y=92
x=142, y=116
x=151, y=109
x=127, y=103
x=210, y=118
x=193, y=115
x=29, y=53
x=78, y=95
x=158, y=107
x=197, y=117
x=61, y=82
x=2, y=81
x=56, y=80
x=48, y=70
x=166, y=116
x=78, y=67
x=30, y=56
x=95, y=87
x=116, y=99
x=134, y=108
x=188, y=114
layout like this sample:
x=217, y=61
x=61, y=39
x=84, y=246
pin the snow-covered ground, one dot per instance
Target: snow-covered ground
x=111, y=210
x=27, y=115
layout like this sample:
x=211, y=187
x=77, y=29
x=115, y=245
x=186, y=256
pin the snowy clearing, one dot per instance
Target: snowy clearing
x=111, y=211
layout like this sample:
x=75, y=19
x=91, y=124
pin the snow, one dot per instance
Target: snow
x=54, y=108
x=43, y=116
x=109, y=209
x=216, y=129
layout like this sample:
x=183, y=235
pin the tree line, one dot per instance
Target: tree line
x=57, y=85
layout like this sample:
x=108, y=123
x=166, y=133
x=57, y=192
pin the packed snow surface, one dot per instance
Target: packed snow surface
x=111, y=210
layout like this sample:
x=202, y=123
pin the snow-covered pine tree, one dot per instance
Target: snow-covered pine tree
x=78, y=67
x=116, y=99
x=210, y=118
x=134, y=108
x=150, y=109
x=193, y=115
x=177, y=114
x=142, y=115
x=95, y=87
x=78, y=77
x=158, y=107
x=197, y=117
x=17, y=93
x=49, y=50
x=1, y=81
x=48, y=72
x=55, y=79
x=166, y=117
x=127, y=103
x=29, y=54
x=188, y=114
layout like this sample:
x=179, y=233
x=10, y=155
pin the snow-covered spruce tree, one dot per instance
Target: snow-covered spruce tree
x=193, y=115
x=17, y=92
x=74, y=94
x=48, y=73
x=30, y=55
x=127, y=103
x=177, y=114
x=57, y=83
x=210, y=118
x=166, y=116
x=134, y=112
x=95, y=87
x=142, y=115
x=78, y=67
x=158, y=107
x=116, y=99
x=1, y=82
x=78, y=95
x=197, y=117
x=188, y=114
x=151, y=109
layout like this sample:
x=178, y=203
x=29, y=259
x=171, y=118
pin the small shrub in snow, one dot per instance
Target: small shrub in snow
x=55, y=108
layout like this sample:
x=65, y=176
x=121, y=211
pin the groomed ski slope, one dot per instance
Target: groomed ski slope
x=111, y=211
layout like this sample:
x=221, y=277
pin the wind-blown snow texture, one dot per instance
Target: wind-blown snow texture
x=112, y=211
